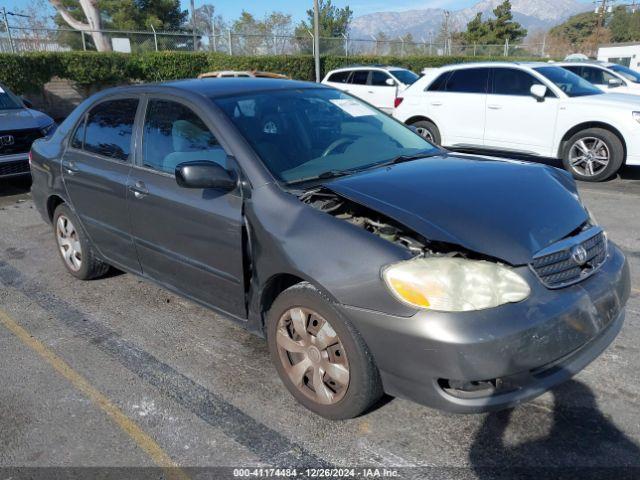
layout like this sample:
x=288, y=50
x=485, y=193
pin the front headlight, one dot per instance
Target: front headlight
x=451, y=284
x=636, y=116
x=49, y=129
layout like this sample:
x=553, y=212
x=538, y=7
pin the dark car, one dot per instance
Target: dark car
x=371, y=260
x=20, y=125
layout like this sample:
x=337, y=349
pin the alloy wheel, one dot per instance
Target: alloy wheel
x=425, y=133
x=69, y=243
x=589, y=156
x=312, y=355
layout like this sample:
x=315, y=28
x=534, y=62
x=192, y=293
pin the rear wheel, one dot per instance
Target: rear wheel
x=74, y=247
x=319, y=356
x=593, y=155
x=428, y=131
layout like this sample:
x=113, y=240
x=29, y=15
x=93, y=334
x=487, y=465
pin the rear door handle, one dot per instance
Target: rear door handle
x=495, y=107
x=436, y=104
x=139, y=190
x=69, y=167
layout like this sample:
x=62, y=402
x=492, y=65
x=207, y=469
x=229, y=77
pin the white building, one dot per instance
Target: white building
x=627, y=54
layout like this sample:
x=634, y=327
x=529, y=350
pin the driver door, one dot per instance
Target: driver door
x=187, y=239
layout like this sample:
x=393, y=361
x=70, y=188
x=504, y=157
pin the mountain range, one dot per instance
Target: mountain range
x=421, y=23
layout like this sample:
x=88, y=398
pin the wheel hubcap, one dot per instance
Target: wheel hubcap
x=589, y=156
x=69, y=243
x=312, y=355
x=425, y=133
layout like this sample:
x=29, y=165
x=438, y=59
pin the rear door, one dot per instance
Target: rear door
x=456, y=102
x=95, y=169
x=359, y=85
x=516, y=121
x=187, y=239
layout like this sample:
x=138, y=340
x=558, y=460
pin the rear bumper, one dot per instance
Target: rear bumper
x=516, y=351
x=14, y=165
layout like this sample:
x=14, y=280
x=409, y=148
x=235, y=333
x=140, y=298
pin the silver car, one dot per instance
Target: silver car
x=19, y=127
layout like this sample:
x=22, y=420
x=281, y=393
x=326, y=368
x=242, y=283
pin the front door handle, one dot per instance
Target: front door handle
x=139, y=190
x=436, y=104
x=495, y=107
x=69, y=167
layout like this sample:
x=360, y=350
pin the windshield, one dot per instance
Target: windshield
x=568, y=82
x=318, y=132
x=8, y=101
x=405, y=76
x=626, y=73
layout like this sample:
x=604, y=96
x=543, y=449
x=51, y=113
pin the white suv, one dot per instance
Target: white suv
x=378, y=85
x=533, y=109
x=609, y=77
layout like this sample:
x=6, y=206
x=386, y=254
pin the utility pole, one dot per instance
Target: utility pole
x=316, y=38
x=6, y=24
x=193, y=23
x=601, y=11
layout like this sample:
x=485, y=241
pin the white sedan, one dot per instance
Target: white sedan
x=610, y=77
x=531, y=109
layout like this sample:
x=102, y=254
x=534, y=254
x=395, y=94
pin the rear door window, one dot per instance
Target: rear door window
x=360, y=77
x=439, y=84
x=339, y=77
x=468, y=80
x=109, y=128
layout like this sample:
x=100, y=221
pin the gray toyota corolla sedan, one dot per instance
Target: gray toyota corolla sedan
x=370, y=259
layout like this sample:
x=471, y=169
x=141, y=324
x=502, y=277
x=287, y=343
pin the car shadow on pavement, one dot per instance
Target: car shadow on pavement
x=15, y=186
x=581, y=443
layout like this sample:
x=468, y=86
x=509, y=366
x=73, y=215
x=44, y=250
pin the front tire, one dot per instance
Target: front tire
x=75, y=249
x=593, y=155
x=428, y=130
x=319, y=356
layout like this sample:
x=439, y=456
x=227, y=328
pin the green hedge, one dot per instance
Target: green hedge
x=29, y=72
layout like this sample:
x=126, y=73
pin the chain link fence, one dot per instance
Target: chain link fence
x=19, y=40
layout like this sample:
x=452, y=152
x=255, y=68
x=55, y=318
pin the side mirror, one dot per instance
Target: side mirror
x=615, y=83
x=27, y=103
x=204, y=174
x=538, y=92
x=391, y=82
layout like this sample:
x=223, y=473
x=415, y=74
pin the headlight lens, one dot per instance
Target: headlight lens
x=451, y=284
x=636, y=116
x=49, y=129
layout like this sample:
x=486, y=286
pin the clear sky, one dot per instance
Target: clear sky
x=231, y=9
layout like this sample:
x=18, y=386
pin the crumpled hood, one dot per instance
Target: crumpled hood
x=22, y=119
x=503, y=209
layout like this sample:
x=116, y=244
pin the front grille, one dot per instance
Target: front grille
x=14, y=168
x=556, y=266
x=22, y=140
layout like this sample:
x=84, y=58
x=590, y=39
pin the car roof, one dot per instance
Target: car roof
x=220, y=87
x=453, y=66
x=388, y=68
x=590, y=63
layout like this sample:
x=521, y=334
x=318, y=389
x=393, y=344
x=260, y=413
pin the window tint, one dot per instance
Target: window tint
x=597, y=76
x=173, y=134
x=440, y=83
x=339, y=77
x=379, y=79
x=574, y=69
x=468, y=80
x=509, y=81
x=360, y=77
x=109, y=127
x=78, y=136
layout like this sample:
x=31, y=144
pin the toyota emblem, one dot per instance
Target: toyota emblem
x=6, y=140
x=579, y=255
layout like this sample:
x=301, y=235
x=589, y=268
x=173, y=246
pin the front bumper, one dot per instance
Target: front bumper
x=517, y=350
x=14, y=165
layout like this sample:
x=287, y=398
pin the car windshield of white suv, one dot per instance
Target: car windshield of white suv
x=8, y=101
x=568, y=82
x=626, y=73
x=309, y=134
x=405, y=76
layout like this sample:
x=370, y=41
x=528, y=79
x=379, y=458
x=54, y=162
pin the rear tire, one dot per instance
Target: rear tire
x=75, y=249
x=337, y=382
x=428, y=131
x=593, y=155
